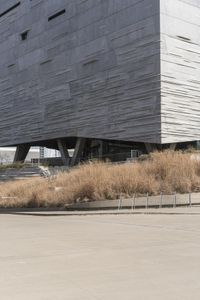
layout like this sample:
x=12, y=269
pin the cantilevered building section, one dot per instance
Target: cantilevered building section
x=180, y=70
x=105, y=77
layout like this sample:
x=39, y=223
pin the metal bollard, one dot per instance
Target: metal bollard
x=133, y=202
x=132, y=205
x=161, y=199
x=174, y=205
x=190, y=199
x=147, y=203
x=120, y=203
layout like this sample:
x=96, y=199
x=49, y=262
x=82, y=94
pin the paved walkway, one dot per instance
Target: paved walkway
x=182, y=210
x=101, y=257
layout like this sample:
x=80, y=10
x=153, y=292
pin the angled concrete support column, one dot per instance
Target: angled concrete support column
x=172, y=146
x=80, y=144
x=21, y=153
x=151, y=147
x=63, y=151
x=101, y=150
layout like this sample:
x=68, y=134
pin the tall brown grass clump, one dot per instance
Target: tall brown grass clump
x=167, y=171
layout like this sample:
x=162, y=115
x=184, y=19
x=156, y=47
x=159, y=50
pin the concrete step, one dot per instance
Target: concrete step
x=23, y=173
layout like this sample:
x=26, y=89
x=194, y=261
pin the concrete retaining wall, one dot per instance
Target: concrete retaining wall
x=154, y=201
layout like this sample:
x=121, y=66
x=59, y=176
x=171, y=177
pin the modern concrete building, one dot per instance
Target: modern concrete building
x=7, y=154
x=101, y=76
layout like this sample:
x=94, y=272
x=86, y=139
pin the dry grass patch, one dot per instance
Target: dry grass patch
x=163, y=171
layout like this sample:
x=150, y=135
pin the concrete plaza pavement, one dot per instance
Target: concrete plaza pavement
x=100, y=257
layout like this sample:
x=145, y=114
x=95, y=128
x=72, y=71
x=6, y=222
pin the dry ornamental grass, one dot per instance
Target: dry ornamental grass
x=167, y=171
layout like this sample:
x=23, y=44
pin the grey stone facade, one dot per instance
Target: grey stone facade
x=123, y=70
x=180, y=70
x=91, y=72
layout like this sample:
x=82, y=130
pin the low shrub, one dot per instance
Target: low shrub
x=167, y=171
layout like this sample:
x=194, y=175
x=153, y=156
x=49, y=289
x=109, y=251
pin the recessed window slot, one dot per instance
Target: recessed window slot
x=9, y=9
x=184, y=38
x=45, y=62
x=91, y=61
x=11, y=65
x=24, y=35
x=59, y=13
